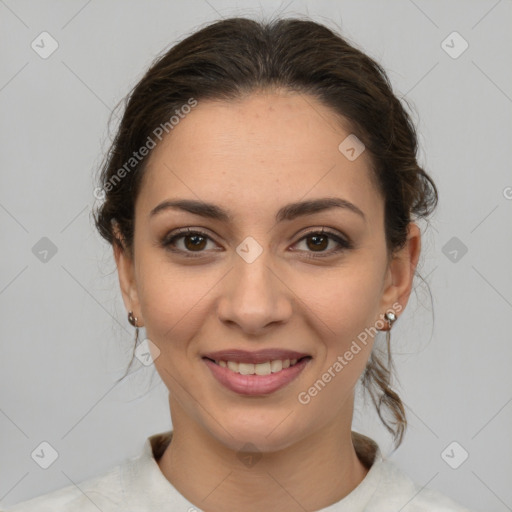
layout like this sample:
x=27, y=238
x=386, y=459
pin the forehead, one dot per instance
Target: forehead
x=257, y=153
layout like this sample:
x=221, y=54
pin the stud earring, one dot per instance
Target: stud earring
x=133, y=320
x=390, y=317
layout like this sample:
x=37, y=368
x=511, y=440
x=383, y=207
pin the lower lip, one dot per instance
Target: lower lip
x=255, y=384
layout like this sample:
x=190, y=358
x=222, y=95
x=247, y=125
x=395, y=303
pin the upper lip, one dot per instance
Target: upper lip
x=260, y=356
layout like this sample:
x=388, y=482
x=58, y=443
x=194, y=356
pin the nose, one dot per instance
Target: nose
x=255, y=296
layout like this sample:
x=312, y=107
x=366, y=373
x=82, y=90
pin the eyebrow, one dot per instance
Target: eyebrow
x=287, y=212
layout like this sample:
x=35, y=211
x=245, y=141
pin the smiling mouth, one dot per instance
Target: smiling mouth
x=265, y=368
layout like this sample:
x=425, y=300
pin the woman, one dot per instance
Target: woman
x=260, y=198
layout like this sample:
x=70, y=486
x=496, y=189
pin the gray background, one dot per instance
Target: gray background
x=65, y=337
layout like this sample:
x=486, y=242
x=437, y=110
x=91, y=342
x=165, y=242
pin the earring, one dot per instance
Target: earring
x=133, y=320
x=390, y=317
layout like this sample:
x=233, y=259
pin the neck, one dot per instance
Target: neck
x=312, y=474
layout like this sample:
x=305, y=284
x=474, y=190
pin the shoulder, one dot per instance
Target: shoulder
x=124, y=485
x=397, y=491
x=103, y=493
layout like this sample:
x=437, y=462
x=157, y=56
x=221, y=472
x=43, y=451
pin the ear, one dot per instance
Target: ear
x=126, y=274
x=400, y=274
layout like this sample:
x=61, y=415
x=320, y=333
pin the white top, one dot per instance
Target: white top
x=138, y=485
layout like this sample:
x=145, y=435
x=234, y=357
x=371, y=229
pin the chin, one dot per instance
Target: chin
x=266, y=435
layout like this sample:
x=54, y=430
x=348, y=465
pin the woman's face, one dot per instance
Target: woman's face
x=259, y=275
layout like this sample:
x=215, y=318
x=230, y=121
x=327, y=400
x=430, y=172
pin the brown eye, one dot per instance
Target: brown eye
x=187, y=241
x=196, y=242
x=318, y=242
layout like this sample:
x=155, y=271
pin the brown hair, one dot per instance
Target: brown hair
x=231, y=58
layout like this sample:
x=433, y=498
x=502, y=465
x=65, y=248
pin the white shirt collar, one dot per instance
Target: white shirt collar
x=148, y=489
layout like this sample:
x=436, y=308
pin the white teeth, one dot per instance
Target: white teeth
x=262, y=368
x=276, y=366
x=266, y=368
x=246, y=368
x=233, y=366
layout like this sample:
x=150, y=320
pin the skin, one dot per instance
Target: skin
x=252, y=157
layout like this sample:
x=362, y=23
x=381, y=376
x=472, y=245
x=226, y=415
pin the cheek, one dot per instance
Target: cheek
x=342, y=315
x=344, y=303
x=172, y=299
x=343, y=310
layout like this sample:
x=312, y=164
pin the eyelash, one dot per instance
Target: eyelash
x=168, y=242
